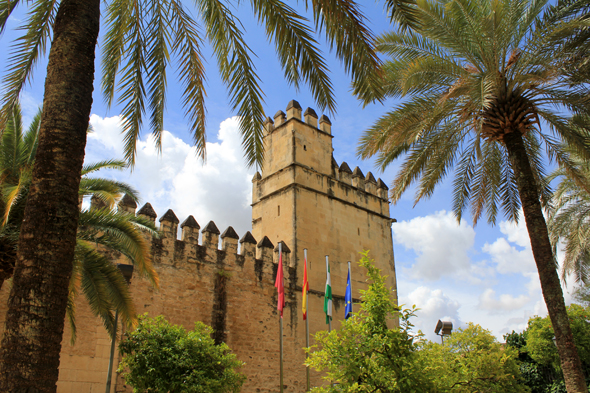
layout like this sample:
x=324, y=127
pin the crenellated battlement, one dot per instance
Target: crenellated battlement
x=242, y=254
x=300, y=153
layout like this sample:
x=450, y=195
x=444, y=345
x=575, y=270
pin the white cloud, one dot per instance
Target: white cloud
x=433, y=305
x=508, y=257
x=441, y=244
x=488, y=301
x=218, y=190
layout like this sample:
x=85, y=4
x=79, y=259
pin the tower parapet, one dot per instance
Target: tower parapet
x=302, y=196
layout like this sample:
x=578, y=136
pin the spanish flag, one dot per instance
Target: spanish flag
x=305, y=287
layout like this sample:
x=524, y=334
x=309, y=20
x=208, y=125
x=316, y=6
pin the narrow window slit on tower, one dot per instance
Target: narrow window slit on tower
x=359, y=231
x=279, y=210
x=305, y=147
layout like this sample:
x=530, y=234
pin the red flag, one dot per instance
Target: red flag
x=305, y=288
x=279, y=283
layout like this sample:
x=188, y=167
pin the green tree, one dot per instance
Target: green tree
x=537, y=377
x=163, y=358
x=472, y=360
x=478, y=77
x=540, y=334
x=365, y=355
x=141, y=40
x=99, y=230
x=540, y=366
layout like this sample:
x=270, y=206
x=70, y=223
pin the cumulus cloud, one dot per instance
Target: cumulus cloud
x=219, y=189
x=512, y=253
x=433, y=305
x=441, y=244
x=489, y=301
x=508, y=258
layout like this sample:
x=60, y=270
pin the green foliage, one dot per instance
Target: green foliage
x=540, y=335
x=568, y=222
x=99, y=230
x=471, y=360
x=572, y=44
x=364, y=355
x=162, y=358
x=582, y=295
x=539, y=361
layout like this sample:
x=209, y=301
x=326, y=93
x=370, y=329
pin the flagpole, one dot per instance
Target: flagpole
x=306, y=326
x=281, y=331
x=350, y=276
x=281, y=325
x=329, y=319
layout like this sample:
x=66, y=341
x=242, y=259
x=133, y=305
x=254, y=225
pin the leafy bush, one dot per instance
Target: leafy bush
x=162, y=358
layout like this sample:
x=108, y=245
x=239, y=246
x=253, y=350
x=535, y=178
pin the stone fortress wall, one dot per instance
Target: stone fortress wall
x=302, y=198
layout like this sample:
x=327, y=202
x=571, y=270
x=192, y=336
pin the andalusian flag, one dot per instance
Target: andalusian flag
x=328, y=297
x=279, y=282
x=305, y=286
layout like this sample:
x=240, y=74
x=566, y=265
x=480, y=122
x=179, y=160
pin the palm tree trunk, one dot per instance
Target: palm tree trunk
x=546, y=265
x=31, y=344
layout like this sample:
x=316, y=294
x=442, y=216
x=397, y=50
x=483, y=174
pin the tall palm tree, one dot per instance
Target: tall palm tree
x=569, y=222
x=477, y=82
x=141, y=36
x=99, y=229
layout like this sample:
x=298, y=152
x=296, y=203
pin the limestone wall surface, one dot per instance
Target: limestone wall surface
x=232, y=291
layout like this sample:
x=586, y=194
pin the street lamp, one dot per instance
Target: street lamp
x=127, y=272
x=443, y=328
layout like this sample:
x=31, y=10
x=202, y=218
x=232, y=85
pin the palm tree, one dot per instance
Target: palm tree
x=477, y=81
x=569, y=222
x=141, y=37
x=99, y=229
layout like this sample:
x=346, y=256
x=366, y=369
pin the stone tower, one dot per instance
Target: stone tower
x=304, y=198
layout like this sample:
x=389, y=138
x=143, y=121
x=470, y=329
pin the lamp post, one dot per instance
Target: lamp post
x=127, y=272
x=443, y=328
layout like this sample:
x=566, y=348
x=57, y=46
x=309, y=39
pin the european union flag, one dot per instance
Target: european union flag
x=348, y=297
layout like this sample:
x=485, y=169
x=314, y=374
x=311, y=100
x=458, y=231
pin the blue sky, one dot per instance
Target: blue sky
x=452, y=271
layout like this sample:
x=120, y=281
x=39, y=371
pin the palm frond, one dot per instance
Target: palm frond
x=6, y=9
x=26, y=52
x=238, y=73
x=354, y=44
x=104, y=287
x=298, y=52
x=404, y=13
x=158, y=40
x=118, y=21
x=124, y=233
x=106, y=164
x=132, y=85
x=187, y=47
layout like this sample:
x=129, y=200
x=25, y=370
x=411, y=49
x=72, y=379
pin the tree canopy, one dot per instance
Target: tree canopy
x=162, y=358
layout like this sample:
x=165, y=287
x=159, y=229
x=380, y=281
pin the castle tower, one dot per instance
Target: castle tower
x=304, y=198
